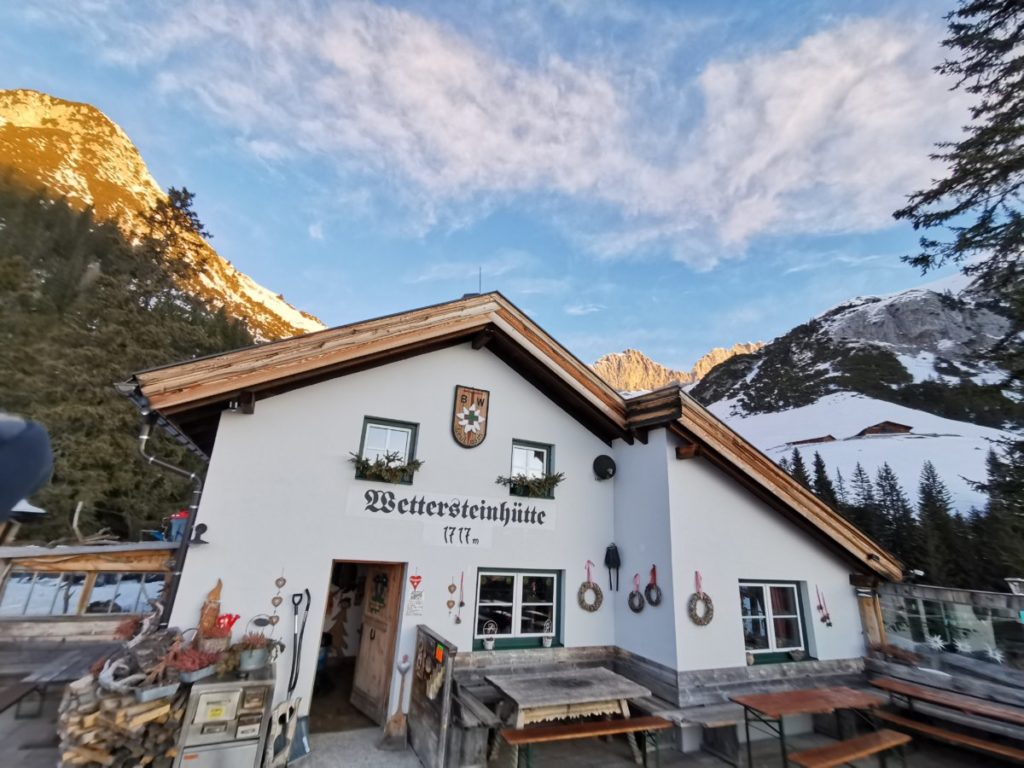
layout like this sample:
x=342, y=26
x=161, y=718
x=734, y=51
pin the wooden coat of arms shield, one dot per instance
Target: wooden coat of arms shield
x=469, y=416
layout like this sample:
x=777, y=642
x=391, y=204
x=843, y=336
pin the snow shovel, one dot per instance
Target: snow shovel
x=396, y=728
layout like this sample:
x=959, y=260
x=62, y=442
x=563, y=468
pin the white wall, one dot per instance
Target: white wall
x=726, y=533
x=279, y=481
x=643, y=537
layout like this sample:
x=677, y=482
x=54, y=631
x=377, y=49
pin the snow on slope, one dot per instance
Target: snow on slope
x=956, y=448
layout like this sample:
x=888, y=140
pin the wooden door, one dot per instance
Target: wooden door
x=377, y=644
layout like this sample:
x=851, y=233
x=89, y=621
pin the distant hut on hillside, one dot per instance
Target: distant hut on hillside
x=811, y=440
x=884, y=428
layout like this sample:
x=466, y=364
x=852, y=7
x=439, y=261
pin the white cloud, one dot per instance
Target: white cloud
x=316, y=231
x=578, y=310
x=827, y=136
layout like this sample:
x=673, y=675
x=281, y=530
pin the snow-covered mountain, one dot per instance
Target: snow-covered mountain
x=923, y=348
x=74, y=150
x=915, y=358
x=633, y=371
x=956, y=448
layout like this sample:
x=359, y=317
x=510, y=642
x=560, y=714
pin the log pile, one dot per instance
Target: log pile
x=115, y=730
x=128, y=711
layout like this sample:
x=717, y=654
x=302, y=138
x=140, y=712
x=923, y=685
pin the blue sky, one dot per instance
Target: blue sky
x=670, y=176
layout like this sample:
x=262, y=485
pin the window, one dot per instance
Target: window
x=771, y=618
x=31, y=593
x=125, y=592
x=530, y=459
x=381, y=437
x=522, y=605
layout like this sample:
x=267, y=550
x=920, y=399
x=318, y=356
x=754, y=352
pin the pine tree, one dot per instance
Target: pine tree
x=999, y=533
x=840, y=486
x=863, y=509
x=934, y=508
x=901, y=534
x=799, y=469
x=979, y=201
x=784, y=463
x=821, y=483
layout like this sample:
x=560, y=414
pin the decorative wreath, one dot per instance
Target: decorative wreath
x=652, y=591
x=636, y=601
x=590, y=596
x=704, y=618
x=653, y=594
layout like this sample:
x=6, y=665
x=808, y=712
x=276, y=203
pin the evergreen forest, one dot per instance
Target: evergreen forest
x=82, y=307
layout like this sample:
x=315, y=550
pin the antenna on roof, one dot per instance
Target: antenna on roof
x=479, y=284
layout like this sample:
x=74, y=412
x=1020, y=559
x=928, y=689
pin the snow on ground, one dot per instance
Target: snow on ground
x=956, y=448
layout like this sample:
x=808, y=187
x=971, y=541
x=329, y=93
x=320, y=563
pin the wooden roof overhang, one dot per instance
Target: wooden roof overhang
x=190, y=396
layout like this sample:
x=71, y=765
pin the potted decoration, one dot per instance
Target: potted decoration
x=387, y=468
x=548, y=635
x=542, y=487
x=255, y=651
x=193, y=664
x=490, y=630
x=217, y=638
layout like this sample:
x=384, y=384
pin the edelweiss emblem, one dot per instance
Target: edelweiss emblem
x=469, y=416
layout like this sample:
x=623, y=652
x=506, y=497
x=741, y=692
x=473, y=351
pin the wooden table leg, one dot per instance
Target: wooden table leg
x=513, y=761
x=637, y=757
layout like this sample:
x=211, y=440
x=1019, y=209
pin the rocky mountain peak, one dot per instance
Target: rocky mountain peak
x=73, y=150
x=632, y=371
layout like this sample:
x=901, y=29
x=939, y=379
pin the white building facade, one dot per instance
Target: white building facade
x=688, y=498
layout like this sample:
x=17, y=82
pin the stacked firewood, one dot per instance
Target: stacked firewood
x=99, y=727
x=128, y=710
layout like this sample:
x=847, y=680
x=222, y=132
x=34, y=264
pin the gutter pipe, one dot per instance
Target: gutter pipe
x=193, y=510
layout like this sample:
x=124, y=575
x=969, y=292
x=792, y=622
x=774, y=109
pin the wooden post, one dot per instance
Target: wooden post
x=871, y=616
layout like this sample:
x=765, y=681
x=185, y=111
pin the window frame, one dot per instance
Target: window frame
x=84, y=596
x=378, y=421
x=773, y=652
x=549, y=462
x=520, y=639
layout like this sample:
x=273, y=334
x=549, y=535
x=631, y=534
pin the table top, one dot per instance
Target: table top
x=569, y=686
x=968, y=704
x=811, y=701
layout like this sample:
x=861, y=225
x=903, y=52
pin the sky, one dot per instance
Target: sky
x=667, y=176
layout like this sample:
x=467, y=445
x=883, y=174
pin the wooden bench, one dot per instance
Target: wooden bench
x=969, y=704
x=13, y=694
x=952, y=737
x=542, y=734
x=843, y=752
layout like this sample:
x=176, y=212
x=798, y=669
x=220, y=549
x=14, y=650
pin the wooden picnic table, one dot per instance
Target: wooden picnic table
x=967, y=704
x=570, y=693
x=66, y=666
x=769, y=709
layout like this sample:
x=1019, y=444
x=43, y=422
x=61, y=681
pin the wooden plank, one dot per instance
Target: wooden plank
x=12, y=694
x=981, y=689
x=813, y=701
x=686, y=451
x=950, y=737
x=849, y=750
x=944, y=716
x=967, y=704
x=547, y=733
x=477, y=709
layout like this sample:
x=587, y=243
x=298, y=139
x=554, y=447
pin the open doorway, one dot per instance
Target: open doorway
x=357, y=646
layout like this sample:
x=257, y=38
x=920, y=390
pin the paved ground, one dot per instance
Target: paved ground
x=30, y=743
x=357, y=749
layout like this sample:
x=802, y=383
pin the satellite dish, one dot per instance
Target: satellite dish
x=604, y=467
